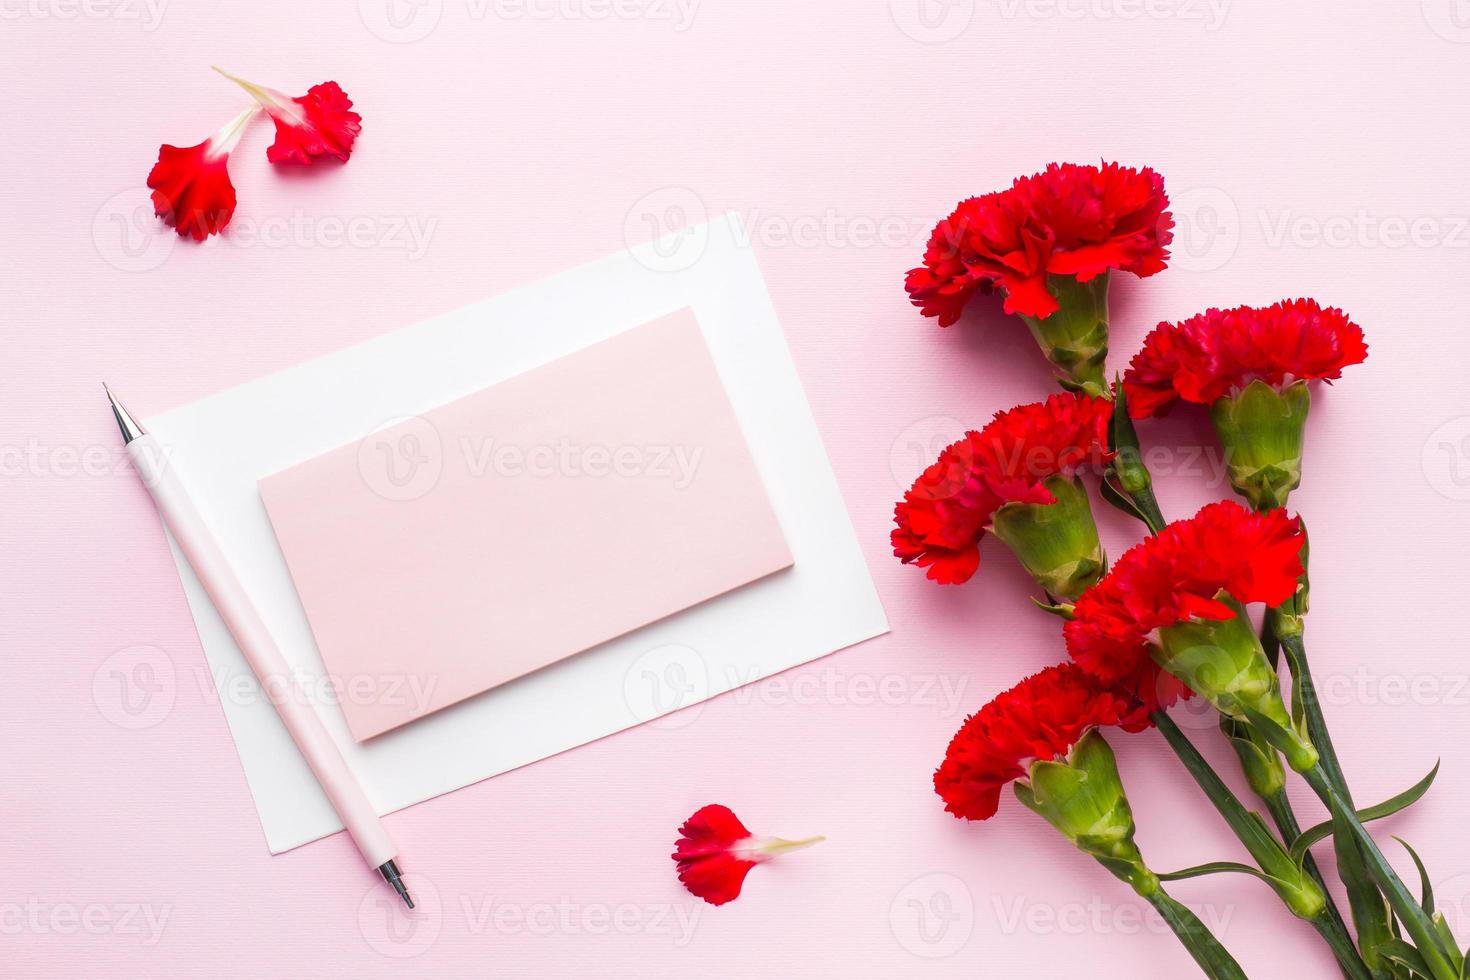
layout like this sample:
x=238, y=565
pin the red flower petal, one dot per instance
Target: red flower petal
x=191, y=184
x=715, y=852
x=943, y=516
x=1204, y=358
x=1175, y=576
x=1040, y=718
x=323, y=124
x=320, y=123
x=1068, y=220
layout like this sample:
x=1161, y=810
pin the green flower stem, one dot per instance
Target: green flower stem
x=1214, y=959
x=1282, y=814
x=1418, y=924
x=1369, y=913
x=1264, y=848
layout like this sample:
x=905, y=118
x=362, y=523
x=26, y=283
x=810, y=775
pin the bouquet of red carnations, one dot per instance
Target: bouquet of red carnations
x=1167, y=620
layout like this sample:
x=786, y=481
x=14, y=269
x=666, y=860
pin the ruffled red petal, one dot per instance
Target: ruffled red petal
x=1204, y=358
x=320, y=123
x=1040, y=718
x=703, y=852
x=192, y=190
x=1176, y=576
x=1068, y=220
x=943, y=516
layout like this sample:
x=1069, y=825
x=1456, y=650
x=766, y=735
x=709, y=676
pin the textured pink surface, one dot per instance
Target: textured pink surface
x=1311, y=148
x=511, y=562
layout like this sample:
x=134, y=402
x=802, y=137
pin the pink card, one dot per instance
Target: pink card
x=500, y=533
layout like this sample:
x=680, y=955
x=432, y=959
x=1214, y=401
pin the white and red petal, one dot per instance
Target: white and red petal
x=320, y=123
x=191, y=185
x=715, y=852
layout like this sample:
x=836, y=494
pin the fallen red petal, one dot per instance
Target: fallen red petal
x=322, y=124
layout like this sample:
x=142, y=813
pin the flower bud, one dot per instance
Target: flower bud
x=1222, y=661
x=1258, y=760
x=1261, y=430
x=1057, y=542
x=1075, y=336
x=1083, y=798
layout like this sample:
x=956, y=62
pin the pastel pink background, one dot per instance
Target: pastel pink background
x=526, y=143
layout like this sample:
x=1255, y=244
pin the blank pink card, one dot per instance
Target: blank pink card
x=455, y=551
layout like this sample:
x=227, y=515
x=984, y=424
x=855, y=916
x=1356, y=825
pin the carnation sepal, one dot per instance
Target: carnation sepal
x=1063, y=610
x=1056, y=542
x=1221, y=659
x=1082, y=797
x=1262, y=430
x=1075, y=336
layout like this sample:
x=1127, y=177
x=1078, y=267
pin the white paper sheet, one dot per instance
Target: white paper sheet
x=222, y=445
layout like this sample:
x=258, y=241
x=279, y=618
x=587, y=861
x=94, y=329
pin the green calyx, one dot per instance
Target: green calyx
x=1083, y=798
x=1075, y=336
x=1258, y=759
x=1222, y=661
x=1262, y=431
x=1057, y=543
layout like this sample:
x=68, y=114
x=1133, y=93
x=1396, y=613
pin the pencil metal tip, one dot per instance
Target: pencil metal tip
x=389, y=871
x=125, y=422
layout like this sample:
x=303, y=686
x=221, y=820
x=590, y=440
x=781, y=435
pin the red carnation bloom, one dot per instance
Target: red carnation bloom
x=942, y=518
x=1071, y=219
x=320, y=123
x=715, y=852
x=1040, y=718
x=1177, y=575
x=1208, y=356
x=191, y=184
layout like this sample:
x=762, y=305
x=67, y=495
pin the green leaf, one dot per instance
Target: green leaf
x=1447, y=938
x=1388, y=807
x=1426, y=897
x=1400, y=952
x=1214, y=868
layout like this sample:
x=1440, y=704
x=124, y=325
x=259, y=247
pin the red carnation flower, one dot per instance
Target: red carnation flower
x=191, y=184
x=942, y=518
x=1073, y=220
x=1179, y=575
x=715, y=852
x=1218, y=352
x=1040, y=718
x=320, y=123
